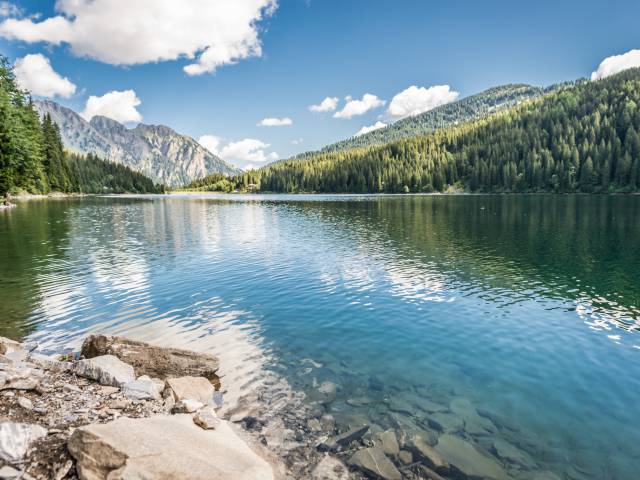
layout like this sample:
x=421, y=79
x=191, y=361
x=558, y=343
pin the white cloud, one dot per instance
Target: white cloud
x=329, y=104
x=211, y=143
x=415, y=100
x=297, y=141
x=34, y=73
x=119, y=106
x=243, y=153
x=275, y=122
x=617, y=63
x=125, y=32
x=359, y=107
x=8, y=9
x=366, y=129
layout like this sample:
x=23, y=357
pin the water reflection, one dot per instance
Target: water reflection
x=496, y=319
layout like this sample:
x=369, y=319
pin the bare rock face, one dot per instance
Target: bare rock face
x=151, y=360
x=162, y=448
x=15, y=439
x=106, y=370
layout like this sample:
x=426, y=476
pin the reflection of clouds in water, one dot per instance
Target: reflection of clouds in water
x=417, y=284
x=602, y=314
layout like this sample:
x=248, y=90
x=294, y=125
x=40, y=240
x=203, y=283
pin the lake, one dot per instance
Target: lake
x=508, y=321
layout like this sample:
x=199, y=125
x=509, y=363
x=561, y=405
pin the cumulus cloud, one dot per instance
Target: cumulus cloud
x=329, y=104
x=415, y=100
x=297, y=141
x=244, y=153
x=275, y=122
x=359, y=107
x=119, y=106
x=617, y=63
x=125, y=32
x=366, y=129
x=34, y=73
x=8, y=9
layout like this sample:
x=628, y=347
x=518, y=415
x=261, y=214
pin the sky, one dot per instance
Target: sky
x=260, y=80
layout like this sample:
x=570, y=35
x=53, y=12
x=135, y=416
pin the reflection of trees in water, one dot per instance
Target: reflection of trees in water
x=574, y=247
x=32, y=237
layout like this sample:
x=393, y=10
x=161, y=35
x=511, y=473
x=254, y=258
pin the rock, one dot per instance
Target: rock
x=120, y=404
x=15, y=439
x=25, y=403
x=141, y=389
x=188, y=405
x=344, y=439
x=431, y=457
x=106, y=390
x=163, y=447
x=68, y=388
x=63, y=470
x=405, y=457
x=546, y=475
x=327, y=422
x=474, y=424
x=373, y=461
x=445, y=422
x=328, y=388
x=330, y=468
x=195, y=388
x=106, y=370
x=152, y=360
x=7, y=345
x=428, y=474
x=314, y=425
x=19, y=378
x=389, y=442
x=511, y=454
x=468, y=460
x=8, y=472
x=48, y=363
x=207, y=419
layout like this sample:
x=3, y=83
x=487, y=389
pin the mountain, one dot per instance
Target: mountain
x=581, y=137
x=154, y=150
x=475, y=106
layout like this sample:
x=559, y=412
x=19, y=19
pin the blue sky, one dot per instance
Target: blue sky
x=298, y=52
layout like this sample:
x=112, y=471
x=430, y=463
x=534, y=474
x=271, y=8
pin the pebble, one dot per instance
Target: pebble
x=67, y=387
x=8, y=472
x=25, y=403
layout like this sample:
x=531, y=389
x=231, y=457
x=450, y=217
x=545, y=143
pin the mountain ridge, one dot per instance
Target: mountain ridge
x=157, y=151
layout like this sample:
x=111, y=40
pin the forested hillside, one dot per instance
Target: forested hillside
x=469, y=108
x=32, y=157
x=582, y=138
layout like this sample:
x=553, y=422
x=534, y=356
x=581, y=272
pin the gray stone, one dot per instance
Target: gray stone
x=152, y=360
x=344, y=439
x=188, y=405
x=428, y=453
x=8, y=472
x=207, y=418
x=163, y=447
x=68, y=388
x=330, y=468
x=15, y=439
x=106, y=370
x=445, y=422
x=468, y=460
x=511, y=454
x=48, y=363
x=25, y=403
x=389, y=442
x=373, y=461
x=19, y=378
x=141, y=389
x=194, y=388
x=474, y=424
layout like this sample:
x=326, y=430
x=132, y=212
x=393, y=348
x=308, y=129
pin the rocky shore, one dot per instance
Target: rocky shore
x=122, y=409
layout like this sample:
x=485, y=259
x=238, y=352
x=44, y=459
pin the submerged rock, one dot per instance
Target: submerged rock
x=161, y=362
x=106, y=370
x=15, y=439
x=428, y=454
x=445, y=422
x=330, y=468
x=389, y=442
x=163, y=447
x=512, y=454
x=194, y=388
x=468, y=460
x=374, y=462
x=344, y=439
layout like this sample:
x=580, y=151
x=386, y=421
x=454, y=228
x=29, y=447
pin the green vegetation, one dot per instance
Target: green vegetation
x=583, y=137
x=32, y=157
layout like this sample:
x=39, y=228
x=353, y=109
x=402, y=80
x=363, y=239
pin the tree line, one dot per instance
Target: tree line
x=33, y=159
x=582, y=137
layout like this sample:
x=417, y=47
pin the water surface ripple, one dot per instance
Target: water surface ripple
x=496, y=319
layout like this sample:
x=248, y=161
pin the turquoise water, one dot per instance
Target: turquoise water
x=420, y=313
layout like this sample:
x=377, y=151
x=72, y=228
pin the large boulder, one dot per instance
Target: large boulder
x=106, y=370
x=152, y=360
x=162, y=448
x=15, y=439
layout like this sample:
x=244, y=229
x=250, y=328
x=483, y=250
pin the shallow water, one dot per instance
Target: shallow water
x=496, y=318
